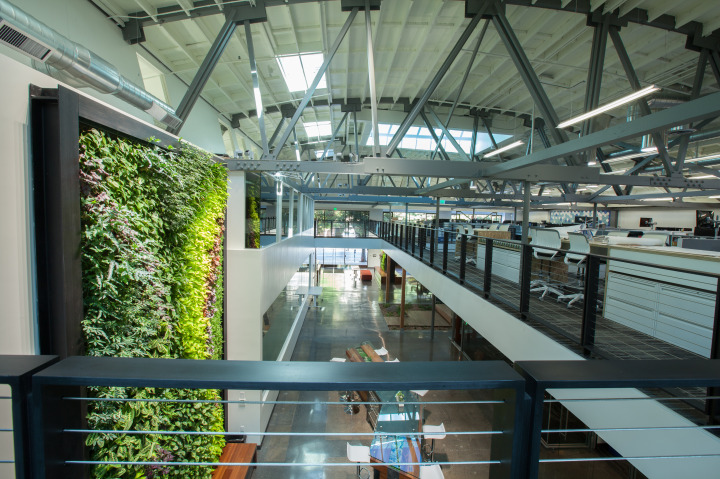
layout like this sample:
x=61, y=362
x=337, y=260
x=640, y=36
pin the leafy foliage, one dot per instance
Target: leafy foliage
x=152, y=235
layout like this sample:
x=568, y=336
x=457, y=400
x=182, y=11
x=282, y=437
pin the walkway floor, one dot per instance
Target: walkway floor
x=347, y=315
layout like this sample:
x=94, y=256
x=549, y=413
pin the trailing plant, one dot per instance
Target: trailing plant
x=152, y=236
x=383, y=261
x=252, y=211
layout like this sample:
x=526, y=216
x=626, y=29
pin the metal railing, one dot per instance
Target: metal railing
x=571, y=303
x=518, y=401
x=343, y=229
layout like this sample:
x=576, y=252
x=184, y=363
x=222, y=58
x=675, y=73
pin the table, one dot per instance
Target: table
x=396, y=449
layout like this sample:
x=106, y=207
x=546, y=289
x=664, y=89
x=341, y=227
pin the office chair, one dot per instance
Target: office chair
x=545, y=238
x=577, y=255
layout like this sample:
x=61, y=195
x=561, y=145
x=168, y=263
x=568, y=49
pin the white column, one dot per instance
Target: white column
x=235, y=235
x=291, y=212
x=278, y=212
x=300, y=205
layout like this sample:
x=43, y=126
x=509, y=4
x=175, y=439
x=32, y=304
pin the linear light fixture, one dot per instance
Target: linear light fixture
x=602, y=109
x=703, y=158
x=504, y=148
x=658, y=199
x=714, y=196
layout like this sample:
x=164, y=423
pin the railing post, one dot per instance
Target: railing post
x=589, y=318
x=487, y=280
x=413, y=230
x=525, y=272
x=406, y=228
x=463, y=255
x=315, y=227
x=446, y=241
x=421, y=242
x=433, y=233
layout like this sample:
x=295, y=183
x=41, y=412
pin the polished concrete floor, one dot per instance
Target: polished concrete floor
x=346, y=316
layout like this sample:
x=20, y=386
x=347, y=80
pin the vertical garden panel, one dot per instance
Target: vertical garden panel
x=147, y=218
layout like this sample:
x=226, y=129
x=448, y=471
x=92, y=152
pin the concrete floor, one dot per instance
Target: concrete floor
x=347, y=315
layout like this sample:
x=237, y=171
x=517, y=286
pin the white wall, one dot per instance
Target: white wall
x=79, y=21
x=664, y=217
x=373, y=258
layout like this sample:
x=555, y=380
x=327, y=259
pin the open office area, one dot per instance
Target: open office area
x=360, y=238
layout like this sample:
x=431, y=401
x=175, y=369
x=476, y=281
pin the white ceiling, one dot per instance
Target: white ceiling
x=412, y=38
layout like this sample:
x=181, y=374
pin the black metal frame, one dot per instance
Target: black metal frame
x=51, y=414
x=16, y=372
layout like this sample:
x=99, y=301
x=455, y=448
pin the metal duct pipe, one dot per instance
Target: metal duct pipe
x=707, y=135
x=26, y=34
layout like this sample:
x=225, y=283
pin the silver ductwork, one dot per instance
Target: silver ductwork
x=66, y=60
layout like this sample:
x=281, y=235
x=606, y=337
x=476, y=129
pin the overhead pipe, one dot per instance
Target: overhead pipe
x=66, y=60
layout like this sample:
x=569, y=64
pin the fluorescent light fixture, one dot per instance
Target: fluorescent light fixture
x=702, y=158
x=299, y=70
x=560, y=204
x=592, y=163
x=714, y=196
x=504, y=148
x=581, y=189
x=703, y=177
x=610, y=106
x=593, y=186
x=657, y=199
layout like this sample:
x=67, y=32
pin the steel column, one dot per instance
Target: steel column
x=256, y=90
x=452, y=139
x=203, y=74
x=642, y=103
x=311, y=90
x=462, y=85
x=487, y=277
x=697, y=86
x=434, y=135
x=595, y=71
x=371, y=80
x=420, y=104
x=715, y=65
x=277, y=131
x=522, y=63
x=332, y=138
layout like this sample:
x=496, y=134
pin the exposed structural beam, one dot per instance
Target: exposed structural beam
x=446, y=132
x=334, y=134
x=697, y=86
x=529, y=77
x=203, y=74
x=642, y=103
x=463, y=171
x=695, y=110
x=420, y=104
x=460, y=90
x=371, y=80
x=275, y=134
x=311, y=90
x=434, y=136
x=256, y=90
x=715, y=65
x=595, y=72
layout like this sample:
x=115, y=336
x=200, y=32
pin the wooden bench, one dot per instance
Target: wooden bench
x=236, y=452
x=445, y=312
x=383, y=276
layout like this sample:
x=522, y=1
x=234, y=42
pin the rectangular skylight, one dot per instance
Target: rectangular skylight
x=299, y=70
x=420, y=138
x=318, y=129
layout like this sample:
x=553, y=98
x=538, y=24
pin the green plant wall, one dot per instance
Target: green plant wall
x=152, y=242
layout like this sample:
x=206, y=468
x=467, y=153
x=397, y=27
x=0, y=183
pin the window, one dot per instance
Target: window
x=330, y=153
x=318, y=129
x=420, y=138
x=153, y=79
x=299, y=70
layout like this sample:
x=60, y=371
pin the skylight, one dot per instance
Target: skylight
x=318, y=129
x=299, y=70
x=418, y=138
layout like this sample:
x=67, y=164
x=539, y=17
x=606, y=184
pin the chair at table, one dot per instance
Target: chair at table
x=433, y=432
x=431, y=472
x=577, y=255
x=541, y=239
x=358, y=453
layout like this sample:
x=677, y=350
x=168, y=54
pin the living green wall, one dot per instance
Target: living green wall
x=152, y=242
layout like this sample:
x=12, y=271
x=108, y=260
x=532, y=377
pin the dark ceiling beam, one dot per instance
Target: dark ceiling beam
x=638, y=16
